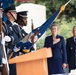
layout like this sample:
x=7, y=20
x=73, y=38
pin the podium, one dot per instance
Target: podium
x=33, y=63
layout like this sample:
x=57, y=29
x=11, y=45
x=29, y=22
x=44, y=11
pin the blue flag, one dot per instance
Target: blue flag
x=38, y=32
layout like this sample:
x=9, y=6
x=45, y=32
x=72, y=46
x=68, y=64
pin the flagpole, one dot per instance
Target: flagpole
x=63, y=6
x=67, y=2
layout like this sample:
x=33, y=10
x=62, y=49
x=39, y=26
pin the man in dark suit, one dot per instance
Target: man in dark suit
x=58, y=61
x=71, y=50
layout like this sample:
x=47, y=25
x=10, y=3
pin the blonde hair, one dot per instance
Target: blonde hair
x=53, y=25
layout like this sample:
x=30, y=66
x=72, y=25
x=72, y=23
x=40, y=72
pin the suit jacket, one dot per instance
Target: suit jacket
x=58, y=49
x=71, y=52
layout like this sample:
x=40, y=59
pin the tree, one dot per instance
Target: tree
x=53, y=5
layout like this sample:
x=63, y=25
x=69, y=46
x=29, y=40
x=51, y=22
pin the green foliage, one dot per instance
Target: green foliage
x=53, y=5
x=40, y=43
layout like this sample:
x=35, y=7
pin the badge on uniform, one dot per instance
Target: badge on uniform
x=71, y=48
x=11, y=28
x=23, y=35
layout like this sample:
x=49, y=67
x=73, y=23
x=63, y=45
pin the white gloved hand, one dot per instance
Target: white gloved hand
x=7, y=38
x=16, y=49
x=35, y=37
x=4, y=61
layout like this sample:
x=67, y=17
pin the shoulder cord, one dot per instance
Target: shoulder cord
x=5, y=27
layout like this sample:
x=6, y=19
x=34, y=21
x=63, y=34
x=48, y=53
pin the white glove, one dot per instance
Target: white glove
x=4, y=61
x=7, y=38
x=35, y=37
x=16, y=49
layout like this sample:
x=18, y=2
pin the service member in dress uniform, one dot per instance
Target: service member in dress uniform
x=58, y=61
x=21, y=21
x=71, y=50
x=11, y=17
x=11, y=35
x=2, y=59
x=1, y=12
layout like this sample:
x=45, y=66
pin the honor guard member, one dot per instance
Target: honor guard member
x=3, y=60
x=71, y=50
x=21, y=21
x=1, y=12
x=11, y=17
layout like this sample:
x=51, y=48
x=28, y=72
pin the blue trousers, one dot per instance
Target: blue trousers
x=0, y=56
x=12, y=69
x=55, y=66
x=13, y=66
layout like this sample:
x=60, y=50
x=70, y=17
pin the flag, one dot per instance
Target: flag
x=38, y=32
